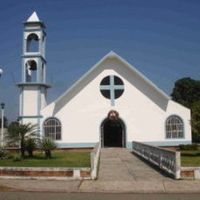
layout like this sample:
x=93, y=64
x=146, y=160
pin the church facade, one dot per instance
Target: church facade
x=113, y=103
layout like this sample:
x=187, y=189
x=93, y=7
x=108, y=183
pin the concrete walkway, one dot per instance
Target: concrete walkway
x=119, y=172
x=117, y=164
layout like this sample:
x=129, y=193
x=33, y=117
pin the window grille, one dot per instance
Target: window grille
x=174, y=127
x=52, y=128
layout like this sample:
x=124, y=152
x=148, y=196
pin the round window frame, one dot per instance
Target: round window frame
x=114, y=89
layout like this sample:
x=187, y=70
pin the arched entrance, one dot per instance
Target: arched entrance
x=113, y=131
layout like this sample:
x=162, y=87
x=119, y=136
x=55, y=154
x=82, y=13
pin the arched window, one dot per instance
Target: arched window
x=52, y=128
x=174, y=127
x=31, y=71
x=32, y=43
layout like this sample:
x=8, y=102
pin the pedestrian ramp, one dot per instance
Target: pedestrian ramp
x=120, y=164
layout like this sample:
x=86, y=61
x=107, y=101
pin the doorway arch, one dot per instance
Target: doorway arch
x=113, y=133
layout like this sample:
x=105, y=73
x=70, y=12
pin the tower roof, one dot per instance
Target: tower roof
x=33, y=18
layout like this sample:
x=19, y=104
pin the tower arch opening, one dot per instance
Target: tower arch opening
x=31, y=71
x=32, y=43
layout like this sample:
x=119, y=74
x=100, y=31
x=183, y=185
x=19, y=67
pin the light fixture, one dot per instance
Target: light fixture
x=1, y=72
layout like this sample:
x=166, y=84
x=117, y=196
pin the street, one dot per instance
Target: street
x=93, y=196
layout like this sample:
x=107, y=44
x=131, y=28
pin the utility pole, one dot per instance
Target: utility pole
x=2, y=116
x=2, y=124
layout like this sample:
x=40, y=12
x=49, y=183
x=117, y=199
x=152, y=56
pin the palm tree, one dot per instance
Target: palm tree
x=20, y=132
x=47, y=145
x=30, y=145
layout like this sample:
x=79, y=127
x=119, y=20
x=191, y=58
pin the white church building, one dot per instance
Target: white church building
x=113, y=103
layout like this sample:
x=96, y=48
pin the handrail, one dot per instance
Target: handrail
x=166, y=160
x=94, y=159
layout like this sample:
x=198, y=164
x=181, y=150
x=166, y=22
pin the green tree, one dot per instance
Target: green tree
x=196, y=121
x=47, y=145
x=186, y=91
x=20, y=132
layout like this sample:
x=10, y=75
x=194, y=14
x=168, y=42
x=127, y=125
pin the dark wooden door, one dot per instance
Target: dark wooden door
x=113, y=133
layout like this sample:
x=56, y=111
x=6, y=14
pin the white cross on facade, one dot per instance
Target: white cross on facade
x=112, y=87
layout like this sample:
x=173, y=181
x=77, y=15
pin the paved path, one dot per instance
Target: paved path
x=93, y=196
x=117, y=164
x=120, y=170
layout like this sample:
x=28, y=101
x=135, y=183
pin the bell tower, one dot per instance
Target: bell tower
x=33, y=86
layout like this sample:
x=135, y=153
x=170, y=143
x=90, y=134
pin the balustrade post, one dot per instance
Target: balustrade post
x=178, y=165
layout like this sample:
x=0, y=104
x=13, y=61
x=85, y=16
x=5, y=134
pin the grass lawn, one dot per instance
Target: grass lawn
x=59, y=159
x=190, y=158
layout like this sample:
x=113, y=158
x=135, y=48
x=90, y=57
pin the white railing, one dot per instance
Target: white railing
x=166, y=160
x=94, y=160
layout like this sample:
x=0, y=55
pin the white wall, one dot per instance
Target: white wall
x=32, y=98
x=30, y=101
x=141, y=107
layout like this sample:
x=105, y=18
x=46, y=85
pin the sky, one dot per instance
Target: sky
x=160, y=38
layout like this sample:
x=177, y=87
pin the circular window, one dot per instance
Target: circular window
x=111, y=87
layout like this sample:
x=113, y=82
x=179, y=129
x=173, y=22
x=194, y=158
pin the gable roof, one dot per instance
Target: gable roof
x=111, y=54
x=87, y=77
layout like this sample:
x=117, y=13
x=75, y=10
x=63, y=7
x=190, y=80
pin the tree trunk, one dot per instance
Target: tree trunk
x=30, y=153
x=22, y=147
x=48, y=153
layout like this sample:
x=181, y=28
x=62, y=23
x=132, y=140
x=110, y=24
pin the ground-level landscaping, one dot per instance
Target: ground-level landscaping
x=190, y=155
x=190, y=158
x=60, y=158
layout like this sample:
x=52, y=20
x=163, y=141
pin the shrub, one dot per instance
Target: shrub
x=10, y=156
x=188, y=147
x=30, y=146
x=47, y=145
x=17, y=158
x=195, y=137
x=3, y=154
